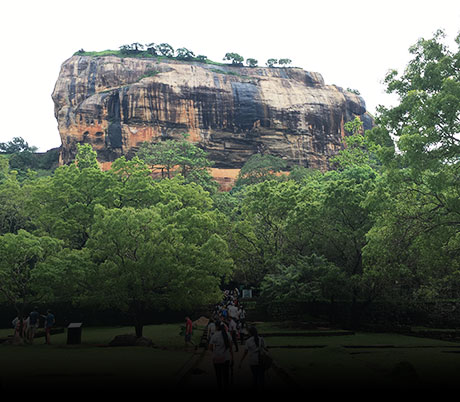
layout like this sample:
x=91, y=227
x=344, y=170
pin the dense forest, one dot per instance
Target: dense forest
x=383, y=224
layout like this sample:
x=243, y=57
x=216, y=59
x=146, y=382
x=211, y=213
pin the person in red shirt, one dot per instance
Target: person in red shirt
x=188, y=332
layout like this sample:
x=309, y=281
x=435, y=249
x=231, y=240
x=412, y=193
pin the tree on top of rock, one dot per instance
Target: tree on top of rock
x=235, y=58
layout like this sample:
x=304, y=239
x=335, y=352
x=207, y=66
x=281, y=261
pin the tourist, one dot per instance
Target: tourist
x=233, y=329
x=253, y=346
x=222, y=356
x=242, y=316
x=49, y=322
x=233, y=311
x=17, y=327
x=189, y=332
x=211, y=329
x=34, y=318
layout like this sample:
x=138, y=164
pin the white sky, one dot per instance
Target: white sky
x=351, y=43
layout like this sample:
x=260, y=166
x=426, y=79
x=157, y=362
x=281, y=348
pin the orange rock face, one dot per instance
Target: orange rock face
x=116, y=103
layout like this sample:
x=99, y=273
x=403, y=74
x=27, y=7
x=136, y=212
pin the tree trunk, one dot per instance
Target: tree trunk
x=138, y=326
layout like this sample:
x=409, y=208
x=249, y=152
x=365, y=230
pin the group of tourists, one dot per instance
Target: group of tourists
x=26, y=327
x=225, y=331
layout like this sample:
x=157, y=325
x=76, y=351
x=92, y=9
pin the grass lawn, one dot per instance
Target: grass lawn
x=365, y=360
x=94, y=365
x=357, y=361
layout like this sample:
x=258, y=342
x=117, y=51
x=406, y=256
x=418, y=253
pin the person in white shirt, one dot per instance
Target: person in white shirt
x=233, y=311
x=252, y=348
x=211, y=329
x=233, y=328
x=222, y=355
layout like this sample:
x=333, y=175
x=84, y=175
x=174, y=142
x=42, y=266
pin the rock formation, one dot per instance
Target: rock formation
x=231, y=112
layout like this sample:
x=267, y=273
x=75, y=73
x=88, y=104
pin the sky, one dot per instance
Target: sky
x=352, y=44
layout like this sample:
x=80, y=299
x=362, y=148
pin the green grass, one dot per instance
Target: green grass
x=345, y=361
x=145, y=55
x=362, y=359
x=359, y=340
x=93, y=363
x=163, y=336
x=313, y=361
x=338, y=366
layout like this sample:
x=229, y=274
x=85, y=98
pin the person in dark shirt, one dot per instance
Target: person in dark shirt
x=49, y=322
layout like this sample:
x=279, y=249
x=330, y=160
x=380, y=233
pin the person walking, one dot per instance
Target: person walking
x=49, y=322
x=189, y=332
x=222, y=356
x=211, y=329
x=233, y=329
x=34, y=318
x=254, y=345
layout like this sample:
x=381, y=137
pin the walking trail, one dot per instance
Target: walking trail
x=202, y=376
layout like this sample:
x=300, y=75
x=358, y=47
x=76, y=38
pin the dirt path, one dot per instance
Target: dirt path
x=201, y=375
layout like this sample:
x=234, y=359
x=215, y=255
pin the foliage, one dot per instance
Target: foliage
x=362, y=148
x=12, y=200
x=158, y=257
x=235, y=58
x=165, y=50
x=258, y=235
x=251, y=62
x=312, y=278
x=413, y=247
x=271, y=62
x=23, y=268
x=283, y=62
x=25, y=160
x=426, y=120
x=259, y=168
x=16, y=145
x=174, y=157
x=184, y=54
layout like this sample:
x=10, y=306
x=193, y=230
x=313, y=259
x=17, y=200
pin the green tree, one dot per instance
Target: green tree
x=165, y=50
x=283, y=62
x=425, y=122
x=16, y=145
x=412, y=253
x=13, y=215
x=130, y=184
x=62, y=205
x=300, y=173
x=235, y=58
x=184, y=54
x=153, y=259
x=310, y=278
x=331, y=219
x=151, y=48
x=173, y=157
x=86, y=157
x=258, y=237
x=259, y=168
x=251, y=62
x=23, y=268
x=271, y=62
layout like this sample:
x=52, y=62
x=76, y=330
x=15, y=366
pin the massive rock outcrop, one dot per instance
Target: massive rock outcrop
x=231, y=112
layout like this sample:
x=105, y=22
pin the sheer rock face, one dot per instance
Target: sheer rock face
x=231, y=112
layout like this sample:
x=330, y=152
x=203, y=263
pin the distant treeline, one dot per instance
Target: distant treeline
x=24, y=159
x=167, y=51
